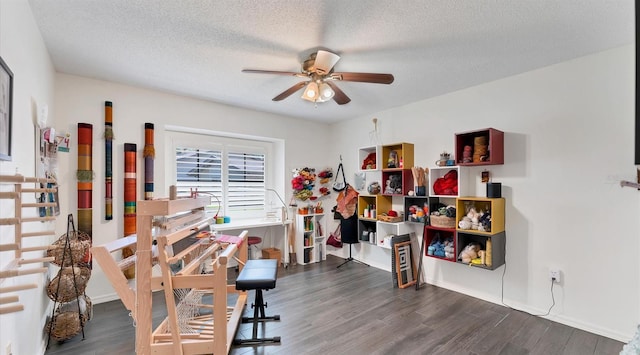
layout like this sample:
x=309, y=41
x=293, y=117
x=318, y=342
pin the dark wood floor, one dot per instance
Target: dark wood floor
x=354, y=310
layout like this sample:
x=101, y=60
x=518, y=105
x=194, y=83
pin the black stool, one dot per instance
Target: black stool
x=258, y=275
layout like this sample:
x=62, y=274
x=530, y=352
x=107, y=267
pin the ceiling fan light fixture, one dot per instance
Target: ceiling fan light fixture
x=326, y=92
x=311, y=92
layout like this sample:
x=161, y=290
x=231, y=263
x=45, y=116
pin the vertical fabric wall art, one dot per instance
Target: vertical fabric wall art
x=129, y=200
x=149, y=153
x=108, y=160
x=85, y=181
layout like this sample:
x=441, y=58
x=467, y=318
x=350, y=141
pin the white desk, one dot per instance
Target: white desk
x=250, y=223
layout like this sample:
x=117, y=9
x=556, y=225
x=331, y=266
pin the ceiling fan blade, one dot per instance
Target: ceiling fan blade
x=339, y=96
x=289, y=73
x=364, y=77
x=290, y=91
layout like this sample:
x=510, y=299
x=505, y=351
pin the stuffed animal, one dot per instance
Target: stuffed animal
x=484, y=222
x=465, y=223
x=469, y=253
x=474, y=217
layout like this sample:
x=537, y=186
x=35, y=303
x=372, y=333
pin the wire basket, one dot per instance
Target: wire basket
x=442, y=221
x=67, y=320
x=67, y=290
x=79, y=244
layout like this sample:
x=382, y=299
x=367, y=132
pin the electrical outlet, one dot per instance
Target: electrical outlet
x=554, y=275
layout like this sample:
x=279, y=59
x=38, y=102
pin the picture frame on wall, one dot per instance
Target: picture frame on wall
x=6, y=101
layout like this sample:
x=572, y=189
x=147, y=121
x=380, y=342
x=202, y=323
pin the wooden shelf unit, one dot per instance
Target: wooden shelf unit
x=15, y=243
x=496, y=236
x=464, y=186
x=405, y=155
x=432, y=233
x=310, y=239
x=382, y=204
x=495, y=142
x=215, y=330
x=495, y=205
x=364, y=152
x=498, y=243
x=418, y=201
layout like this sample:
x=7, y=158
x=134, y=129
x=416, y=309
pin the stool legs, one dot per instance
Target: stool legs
x=258, y=316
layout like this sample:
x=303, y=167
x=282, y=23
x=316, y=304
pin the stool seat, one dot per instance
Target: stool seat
x=252, y=240
x=258, y=274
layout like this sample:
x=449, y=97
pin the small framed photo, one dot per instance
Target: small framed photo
x=6, y=101
x=485, y=176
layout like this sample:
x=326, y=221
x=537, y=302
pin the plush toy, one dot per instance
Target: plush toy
x=465, y=223
x=369, y=162
x=469, y=253
x=474, y=217
x=484, y=222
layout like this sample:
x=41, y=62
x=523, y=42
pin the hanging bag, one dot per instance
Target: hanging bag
x=335, y=239
x=339, y=185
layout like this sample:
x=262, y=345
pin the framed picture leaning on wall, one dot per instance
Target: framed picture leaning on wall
x=6, y=100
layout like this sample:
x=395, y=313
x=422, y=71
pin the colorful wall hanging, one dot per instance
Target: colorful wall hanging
x=85, y=180
x=108, y=160
x=149, y=153
x=129, y=200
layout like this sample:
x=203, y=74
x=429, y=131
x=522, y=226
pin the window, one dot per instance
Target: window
x=232, y=170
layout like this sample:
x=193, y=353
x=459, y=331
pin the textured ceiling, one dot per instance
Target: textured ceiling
x=198, y=48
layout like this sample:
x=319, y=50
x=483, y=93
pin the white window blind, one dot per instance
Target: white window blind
x=235, y=177
x=246, y=182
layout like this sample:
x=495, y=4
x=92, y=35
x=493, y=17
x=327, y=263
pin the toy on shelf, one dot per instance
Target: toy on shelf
x=469, y=253
x=394, y=185
x=474, y=220
x=393, y=161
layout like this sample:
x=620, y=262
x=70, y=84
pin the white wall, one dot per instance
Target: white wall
x=568, y=142
x=81, y=99
x=22, y=48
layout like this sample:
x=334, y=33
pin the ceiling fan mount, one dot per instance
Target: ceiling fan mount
x=318, y=69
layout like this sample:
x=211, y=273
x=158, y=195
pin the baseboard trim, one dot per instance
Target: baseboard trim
x=569, y=321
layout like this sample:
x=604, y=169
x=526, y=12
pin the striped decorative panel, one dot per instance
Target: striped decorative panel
x=129, y=189
x=149, y=154
x=108, y=155
x=85, y=180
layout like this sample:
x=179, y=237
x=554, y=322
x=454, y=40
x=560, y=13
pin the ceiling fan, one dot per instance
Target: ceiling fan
x=319, y=79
